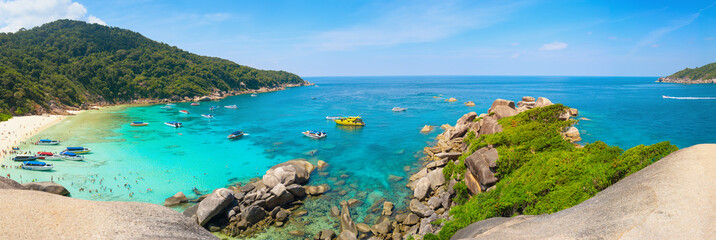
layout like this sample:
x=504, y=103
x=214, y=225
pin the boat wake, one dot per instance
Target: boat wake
x=690, y=98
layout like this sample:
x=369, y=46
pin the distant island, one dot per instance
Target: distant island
x=69, y=64
x=704, y=74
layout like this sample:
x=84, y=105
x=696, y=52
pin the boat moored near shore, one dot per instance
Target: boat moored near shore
x=71, y=156
x=138, y=124
x=78, y=150
x=207, y=116
x=173, y=124
x=36, y=166
x=231, y=106
x=47, y=142
x=48, y=156
x=24, y=157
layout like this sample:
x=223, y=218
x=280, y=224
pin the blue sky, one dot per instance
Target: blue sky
x=347, y=37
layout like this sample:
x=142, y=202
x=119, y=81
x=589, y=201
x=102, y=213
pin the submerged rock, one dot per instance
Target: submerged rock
x=177, y=199
x=426, y=128
x=287, y=173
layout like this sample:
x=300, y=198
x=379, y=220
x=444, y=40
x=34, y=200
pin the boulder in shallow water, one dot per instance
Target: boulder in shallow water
x=363, y=228
x=347, y=224
x=213, y=204
x=326, y=234
x=317, y=190
x=253, y=214
x=426, y=129
x=469, y=104
x=573, y=112
x=177, y=199
x=382, y=228
x=322, y=164
x=48, y=187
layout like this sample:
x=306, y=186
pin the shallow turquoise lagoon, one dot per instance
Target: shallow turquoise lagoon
x=153, y=162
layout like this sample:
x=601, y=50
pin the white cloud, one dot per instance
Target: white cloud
x=93, y=19
x=612, y=38
x=657, y=34
x=414, y=23
x=516, y=55
x=515, y=44
x=217, y=17
x=553, y=46
x=17, y=14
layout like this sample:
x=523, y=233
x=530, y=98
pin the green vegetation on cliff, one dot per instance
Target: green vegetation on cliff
x=539, y=171
x=68, y=63
x=705, y=72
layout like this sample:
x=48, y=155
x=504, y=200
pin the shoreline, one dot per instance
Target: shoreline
x=21, y=128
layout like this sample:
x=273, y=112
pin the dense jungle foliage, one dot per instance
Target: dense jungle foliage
x=68, y=63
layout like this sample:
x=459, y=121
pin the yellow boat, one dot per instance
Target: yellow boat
x=350, y=121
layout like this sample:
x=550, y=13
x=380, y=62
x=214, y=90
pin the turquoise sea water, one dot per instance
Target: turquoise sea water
x=156, y=161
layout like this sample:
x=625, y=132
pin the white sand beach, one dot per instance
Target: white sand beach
x=20, y=128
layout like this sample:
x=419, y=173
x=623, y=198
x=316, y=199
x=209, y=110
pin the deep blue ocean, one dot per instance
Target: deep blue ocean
x=152, y=163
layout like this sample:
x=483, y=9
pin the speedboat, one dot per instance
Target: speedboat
x=47, y=142
x=212, y=108
x=48, y=156
x=184, y=111
x=235, y=135
x=24, y=157
x=314, y=134
x=332, y=118
x=37, y=166
x=399, y=109
x=78, y=150
x=254, y=95
x=71, y=156
x=207, y=116
x=194, y=104
x=166, y=107
x=350, y=121
x=138, y=124
x=173, y=124
x=231, y=106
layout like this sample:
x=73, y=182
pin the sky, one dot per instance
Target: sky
x=385, y=37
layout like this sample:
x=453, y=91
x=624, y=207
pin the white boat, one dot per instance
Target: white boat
x=48, y=156
x=184, y=111
x=314, y=134
x=24, y=157
x=37, y=166
x=47, y=142
x=254, y=95
x=71, y=156
x=332, y=118
x=399, y=109
x=78, y=150
x=207, y=116
x=173, y=124
x=231, y=106
x=166, y=107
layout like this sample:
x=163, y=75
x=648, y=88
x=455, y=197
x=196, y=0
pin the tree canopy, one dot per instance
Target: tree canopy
x=70, y=63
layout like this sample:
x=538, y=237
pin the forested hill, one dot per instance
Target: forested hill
x=703, y=74
x=70, y=63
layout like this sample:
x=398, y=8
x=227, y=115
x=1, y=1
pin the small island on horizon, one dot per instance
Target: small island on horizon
x=703, y=74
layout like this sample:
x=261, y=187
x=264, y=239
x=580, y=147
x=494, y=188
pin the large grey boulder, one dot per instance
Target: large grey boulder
x=436, y=178
x=422, y=188
x=674, y=198
x=287, y=173
x=213, y=204
x=6, y=183
x=48, y=187
x=543, y=102
x=69, y=218
x=253, y=214
x=489, y=125
x=467, y=118
x=420, y=209
x=503, y=102
x=479, y=168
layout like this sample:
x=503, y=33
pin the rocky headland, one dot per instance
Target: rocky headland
x=685, y=80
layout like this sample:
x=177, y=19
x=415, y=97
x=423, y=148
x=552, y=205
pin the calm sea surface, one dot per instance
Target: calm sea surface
x=151, y=163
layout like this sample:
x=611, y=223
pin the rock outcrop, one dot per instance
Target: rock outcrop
x=41, y=215
x=48, y=187
x=673, y=198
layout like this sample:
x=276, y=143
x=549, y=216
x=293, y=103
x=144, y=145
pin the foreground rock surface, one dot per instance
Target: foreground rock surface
x=673, y=198
x=40, y=215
